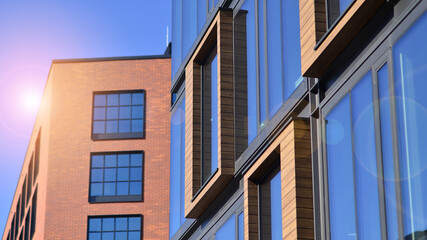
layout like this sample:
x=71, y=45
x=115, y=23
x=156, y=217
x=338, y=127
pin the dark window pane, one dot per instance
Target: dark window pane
x=111, y=127
x=110, y=174
x=125, y=99
x=95, y=224
x=112, y=99
x=110, y=160
x=99, y=127
x=134, y=223
x=121, y=224
x=123, y=174
x=227, y=230
x=124, y=113
x=123, y=160
x=136, y=159
x=135, y=188
x=100, y=100
x=137, y=112
x=137, y=125
x=112, y=112
x=109, y=189
x=107, y=224
x=97, y=175
x=123, y=188
x=340, y=172
x=96, y=189
x=99, y=113
x=135, y=173
x=94, y=236
x=137, y=98
x=98, y=161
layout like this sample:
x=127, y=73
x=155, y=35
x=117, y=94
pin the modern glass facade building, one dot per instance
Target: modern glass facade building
x=298, y=119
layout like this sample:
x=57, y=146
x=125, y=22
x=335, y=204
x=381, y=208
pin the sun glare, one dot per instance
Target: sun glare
x=30, y=101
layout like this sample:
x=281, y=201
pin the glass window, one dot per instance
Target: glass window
x=27, y=225
x=409, y=59
x=24, y=190
x=210, y=117
x=177, y=179
x=335, y=9
x=228, y=229
x=30, y=178
x=114, y=228
x=201, y=14
x=118, y=115
x=118, y=175
x=37, y=158
x=241, y=227
x=33, y=213
x=365, y=163
x=342, y=216
x=189, y=25
x=271, y=207
x=176, y=35
x=262, y=64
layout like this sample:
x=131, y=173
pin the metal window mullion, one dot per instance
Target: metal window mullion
x=266, y=61
x=378, y=150
x=353, y=159
x=325, y=191
x=395, y=143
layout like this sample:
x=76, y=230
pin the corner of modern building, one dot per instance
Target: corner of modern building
x=298, y=119
x=97, y=164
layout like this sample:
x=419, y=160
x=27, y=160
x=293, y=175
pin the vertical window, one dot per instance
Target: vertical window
x=409, y=59
x=116, y=177
x=118, y=115
x=209, y=117
x=177, y=179
x=335, y=9
x=115, y=228
x=387, y=153
x=201, y=14
x=24, y=190
x=37, y=158
x=271, y=207
x=33, y=214
x=30, y=178
x=189, y=25
x=176, y=36
x=262, y=64
x=18, y=211
x=241, y=226
x=227, y=230
x=12, y=228
x=342, y=216
x=27, y=225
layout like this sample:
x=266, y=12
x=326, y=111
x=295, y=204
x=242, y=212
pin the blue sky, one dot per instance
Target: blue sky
x=32, y=33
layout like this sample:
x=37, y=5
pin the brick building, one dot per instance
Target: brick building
x=98, y=160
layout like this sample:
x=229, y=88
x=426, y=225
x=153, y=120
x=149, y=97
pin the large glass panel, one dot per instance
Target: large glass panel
x=409, y=58
x=262, y=71
x=210, y=117
x=365, y=163
x=176, y=36
x=227, y=230
x=387, y=153
x=291, y=48
x=271, y=208
x=177, y=184
x=274, y=57
x=340, y=172
x=201, y=14
x=249, y=7
x=241, y=227
x=189, y=25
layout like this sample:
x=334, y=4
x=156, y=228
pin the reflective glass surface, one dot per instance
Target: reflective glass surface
x=114, y=228
x=340, y=172
x=271, y=208
x=201, y=14
x=365, y=163
x=409, y=59
x=177, y=185
x=176, y=35
x=227, y=230
x=262, y=71
x=189, y=25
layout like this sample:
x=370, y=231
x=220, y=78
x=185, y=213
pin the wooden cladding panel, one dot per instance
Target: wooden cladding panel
x=293, y=146
x=313, y=27
x=220, y=33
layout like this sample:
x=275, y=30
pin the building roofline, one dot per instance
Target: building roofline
x=102, y=59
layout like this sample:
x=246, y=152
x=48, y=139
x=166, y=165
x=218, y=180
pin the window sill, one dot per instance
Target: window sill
x=112, y=199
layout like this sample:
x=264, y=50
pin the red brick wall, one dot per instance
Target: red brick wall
x=67, y=144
